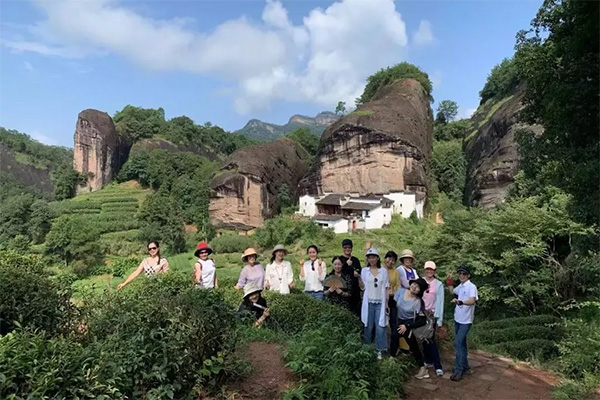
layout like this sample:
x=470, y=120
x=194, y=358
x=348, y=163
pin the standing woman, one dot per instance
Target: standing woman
x=391, y=258
x=279, y=276
x=337, y=295
x=434, y=302
x=152, y=265
x=313, y=273
x=406, y=270
x=374, y=281
x=252, y=272
x=205, y=271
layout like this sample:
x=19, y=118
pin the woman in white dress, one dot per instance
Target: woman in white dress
x=279, y=276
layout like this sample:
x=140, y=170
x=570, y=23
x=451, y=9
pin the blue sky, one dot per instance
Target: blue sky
x=229, y=61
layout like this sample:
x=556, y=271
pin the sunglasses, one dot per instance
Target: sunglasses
x=203, y=252
x=463, y=273
x=347, y=248
x=375, y=282
x=312, y=265
x=152, y=248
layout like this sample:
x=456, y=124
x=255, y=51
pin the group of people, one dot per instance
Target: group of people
x=383, y=293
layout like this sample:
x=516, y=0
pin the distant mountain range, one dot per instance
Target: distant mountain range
x=258, y=129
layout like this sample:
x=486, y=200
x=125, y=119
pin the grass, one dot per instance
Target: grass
x=26, y=159
x=495, y=106
x=363, y=112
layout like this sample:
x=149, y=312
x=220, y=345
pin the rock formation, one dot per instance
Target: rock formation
x=491, y=150
x=26, y=175
x=245, y=190
x=383, y=146
x=99, y=151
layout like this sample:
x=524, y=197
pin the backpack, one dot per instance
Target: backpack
x=425, y=332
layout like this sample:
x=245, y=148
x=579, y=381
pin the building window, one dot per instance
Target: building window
x=367, y=213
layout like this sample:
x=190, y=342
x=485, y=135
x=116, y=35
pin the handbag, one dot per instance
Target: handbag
x=425, y=332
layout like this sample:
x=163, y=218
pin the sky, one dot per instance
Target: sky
x=229, y=61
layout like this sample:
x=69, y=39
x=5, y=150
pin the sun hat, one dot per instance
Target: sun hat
x=372, y=252
x=422, y=284
x=407, y=253
x=251, y=288
x=347, y=242
x=249, y=252
x=202, y=246
x=463, y=268
x=279, y=247
x=430, y=265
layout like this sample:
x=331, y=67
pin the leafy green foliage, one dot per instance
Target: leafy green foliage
x=390, y=75
x=284, y=196
x=540, y=349
x=446, y=111
x=308, y=140
x=161, y=219
x=70, y=240
x=41, y=155
x=137, y=123
x=452, y=130
x=449, y=167
x=559, y=59
x=65, y=180
x=288, y=231
x=232, y=243
x=340, y=109
x=503, y=78
x=534, y=320
x=29, y=298
x=23, y=219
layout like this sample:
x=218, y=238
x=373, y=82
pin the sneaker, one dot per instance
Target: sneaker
x=456, y=377
x=379, y=355
x=423, y=373
x=469, y=371
x=428, y=365
x=439, y=372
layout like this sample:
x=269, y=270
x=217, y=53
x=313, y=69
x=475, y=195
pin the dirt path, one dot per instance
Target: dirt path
x=269, y=375
x=493, y=378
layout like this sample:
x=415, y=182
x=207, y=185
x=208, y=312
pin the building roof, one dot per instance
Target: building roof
x=332, y=199
x=327, y=217
x=420, y=195
x=353, y=205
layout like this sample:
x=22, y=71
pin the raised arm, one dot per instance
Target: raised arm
x=131, y=277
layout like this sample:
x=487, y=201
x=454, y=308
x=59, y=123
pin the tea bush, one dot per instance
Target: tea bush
x=536, y=320
x=289, y=231
x=493, y=336
x=232, y=244
x=28, y=295
x=541, y=349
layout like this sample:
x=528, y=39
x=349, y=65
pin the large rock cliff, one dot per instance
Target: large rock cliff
x=99, y=151
x=245, y=189
x=26, y=175
x=383, y=146
x=491, y=150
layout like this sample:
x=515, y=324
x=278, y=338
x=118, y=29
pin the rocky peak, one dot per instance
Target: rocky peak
x=99, y=151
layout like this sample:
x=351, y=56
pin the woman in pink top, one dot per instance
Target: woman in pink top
x=252, y=271
x=434, y=302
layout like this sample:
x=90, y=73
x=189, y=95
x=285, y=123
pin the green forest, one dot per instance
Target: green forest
x=67, y=333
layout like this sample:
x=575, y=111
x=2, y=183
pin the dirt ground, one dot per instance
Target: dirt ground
x=493, y=378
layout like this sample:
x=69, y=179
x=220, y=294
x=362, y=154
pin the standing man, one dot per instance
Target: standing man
x=351, y=266
x=465, y=296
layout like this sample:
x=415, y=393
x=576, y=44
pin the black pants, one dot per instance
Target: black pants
x=394, y=335
x=413, y=345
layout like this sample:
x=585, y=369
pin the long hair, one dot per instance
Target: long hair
x=273, y=256
x=157, y=247
x=333, y=260
x=378, y=262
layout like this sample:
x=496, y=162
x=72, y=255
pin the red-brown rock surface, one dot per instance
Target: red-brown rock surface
x=245, y=189
x=99, y=151
x=383, y=146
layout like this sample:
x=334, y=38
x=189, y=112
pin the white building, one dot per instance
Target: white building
x=347, y=212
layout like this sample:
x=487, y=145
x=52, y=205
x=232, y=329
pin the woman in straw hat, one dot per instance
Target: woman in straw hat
x=252, y=272
x=406, y=270
x=205, y=272
x=254, y=303
x=279, y=276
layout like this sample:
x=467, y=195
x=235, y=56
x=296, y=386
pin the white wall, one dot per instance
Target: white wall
x=420, y=204
x=339, y=226
x=404, y=203
x=307, y=205
x=375, y=219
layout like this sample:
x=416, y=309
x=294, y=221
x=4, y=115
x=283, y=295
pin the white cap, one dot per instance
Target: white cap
x=372, y=252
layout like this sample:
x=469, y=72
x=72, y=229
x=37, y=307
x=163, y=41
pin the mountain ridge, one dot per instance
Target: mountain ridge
x=258, y=129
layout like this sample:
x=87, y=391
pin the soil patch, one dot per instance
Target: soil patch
x=269, y=375
x=493, y=378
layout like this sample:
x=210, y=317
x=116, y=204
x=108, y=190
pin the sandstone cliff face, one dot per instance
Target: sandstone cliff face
x=491, y=150
x=99, y=151
x=383, y=146
x=245, y=189
x=27, y=175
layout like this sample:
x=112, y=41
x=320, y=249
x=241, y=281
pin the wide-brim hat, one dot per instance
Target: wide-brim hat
x=422, y=284
x=430, y=265
x=202, y=246
x=407, y=254
x=278, y=248
x=251, y=288
x=372, y=252
x=249, y=252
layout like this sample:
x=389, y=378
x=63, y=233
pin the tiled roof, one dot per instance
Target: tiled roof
x=354, y=205
x=327, y=217
x=332, y=200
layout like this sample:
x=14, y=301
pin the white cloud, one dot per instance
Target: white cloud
x=28, y=66
x=424, y=34
x=324, y=59
x=467, y=113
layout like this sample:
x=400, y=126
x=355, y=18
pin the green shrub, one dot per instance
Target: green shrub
x=540, y=349
x=517, y=333
x=517, y=322
x=580, y=349
x=123, y=200
x=232, y=244
x=289, y=231
x=123, y=266
x=503, y=78
x=28, y=295
x=389, y=75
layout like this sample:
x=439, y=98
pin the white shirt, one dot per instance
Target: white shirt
x=313, y=280
x=382, y=285
x=208, y=273
x=279, y=276
x=464, y=314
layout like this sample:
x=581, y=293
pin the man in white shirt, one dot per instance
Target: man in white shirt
x=465, y=296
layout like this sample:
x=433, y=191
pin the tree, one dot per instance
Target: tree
x=161, y=219
x=65, y=180
x=390, y=75
x=71, y=240
x=340, y=109
x=284, y=196
x=139, y=123
x=446, y=111
x=503, y=78
x=306, y=139
x=40, y=221
x=559, y=59
x=452, y=130
x=449, y=167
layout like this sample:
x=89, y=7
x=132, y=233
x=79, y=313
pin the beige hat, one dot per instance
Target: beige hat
x=407, y=253
x=279, y=247
x=251, y=288
x=249, y=252
x=430, y=265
